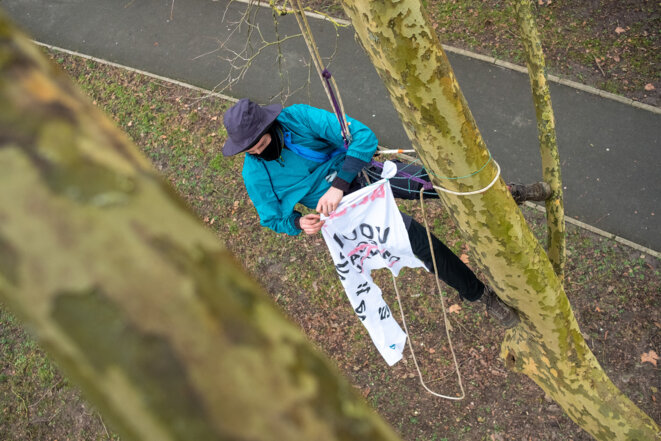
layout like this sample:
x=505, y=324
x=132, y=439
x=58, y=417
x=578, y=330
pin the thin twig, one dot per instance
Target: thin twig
x=45, y=393
x=104, y=426
x=27, y=411
x=599, y=66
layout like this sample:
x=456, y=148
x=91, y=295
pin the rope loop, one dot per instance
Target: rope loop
x=445, y=320
x=470, y=193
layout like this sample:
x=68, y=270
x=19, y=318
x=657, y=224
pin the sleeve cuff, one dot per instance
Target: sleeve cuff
x=341, y=184
x=351, y=167
x=297, y=220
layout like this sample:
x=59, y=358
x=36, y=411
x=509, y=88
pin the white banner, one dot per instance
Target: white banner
x=367, y=232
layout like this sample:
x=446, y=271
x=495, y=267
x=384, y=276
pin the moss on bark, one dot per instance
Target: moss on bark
x=547, y=345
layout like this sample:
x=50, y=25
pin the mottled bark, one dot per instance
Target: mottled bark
x=548, y=145
x=547, y=345
x=134, y=298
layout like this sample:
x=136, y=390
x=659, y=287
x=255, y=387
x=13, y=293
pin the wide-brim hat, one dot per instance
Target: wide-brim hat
x=245, y=122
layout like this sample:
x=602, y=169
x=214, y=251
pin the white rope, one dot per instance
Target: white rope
x=415, y=360
x=395, y=151
x=438, y=285
x=445, y=317
x=468, y=193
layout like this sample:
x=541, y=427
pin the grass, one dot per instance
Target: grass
x=182, y=135
x=579, y=38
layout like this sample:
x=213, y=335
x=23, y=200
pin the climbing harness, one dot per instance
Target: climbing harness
x=332, y=92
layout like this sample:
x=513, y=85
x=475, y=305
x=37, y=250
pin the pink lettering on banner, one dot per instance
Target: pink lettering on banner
x=363, y=246
x=366, y=250
x=379, y=192
x=335, y=214
x=363, y=201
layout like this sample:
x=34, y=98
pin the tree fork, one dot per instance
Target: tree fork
x=548, y=144
x=547, y=345
x=134, y=298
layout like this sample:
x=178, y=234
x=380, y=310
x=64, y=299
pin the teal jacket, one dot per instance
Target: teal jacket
x=275, y=187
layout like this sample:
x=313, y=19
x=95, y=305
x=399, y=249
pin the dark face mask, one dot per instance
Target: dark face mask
x=273, y=150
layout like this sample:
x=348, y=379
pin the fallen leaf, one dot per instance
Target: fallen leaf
x=597, y=309
x=619, y=30
x=649, y=357
x=649, y=87
x=454, y=309
x=464, y=258
x=432, y=350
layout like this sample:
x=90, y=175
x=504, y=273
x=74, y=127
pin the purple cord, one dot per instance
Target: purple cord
x=427, y=185
x=327, y=75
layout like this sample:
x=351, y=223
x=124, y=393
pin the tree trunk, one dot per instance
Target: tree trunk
x=132, y=296
x=547, y=345
x=548, y=144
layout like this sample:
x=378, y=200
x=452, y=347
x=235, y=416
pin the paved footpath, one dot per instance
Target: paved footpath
x=610, y=151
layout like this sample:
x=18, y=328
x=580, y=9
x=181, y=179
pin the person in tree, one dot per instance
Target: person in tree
x=297, y=155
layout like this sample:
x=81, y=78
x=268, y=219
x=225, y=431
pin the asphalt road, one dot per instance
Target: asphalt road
x=610, y=151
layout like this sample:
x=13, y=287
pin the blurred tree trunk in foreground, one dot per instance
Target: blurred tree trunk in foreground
x=135, y=299
x=547, y=345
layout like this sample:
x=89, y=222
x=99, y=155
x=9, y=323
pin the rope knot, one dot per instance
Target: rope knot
x=326, y=74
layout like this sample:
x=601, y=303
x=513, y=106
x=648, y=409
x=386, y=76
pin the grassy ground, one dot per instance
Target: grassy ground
x=613, y=45
x=614, y=291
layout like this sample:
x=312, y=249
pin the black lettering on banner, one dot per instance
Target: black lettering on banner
x=370, y=233
x=339, y=242
x=341, y=271
x=361, y=309
x=363, y=288
x=382, y=239
x=393, y=259
x=355, y=235
x=354, y=258
x=384, y=312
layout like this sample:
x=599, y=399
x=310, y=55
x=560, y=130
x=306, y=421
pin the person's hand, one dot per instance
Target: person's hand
x=311, y=223
x=329, y=201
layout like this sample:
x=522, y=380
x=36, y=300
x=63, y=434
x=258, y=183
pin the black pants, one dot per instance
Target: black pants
x=451, y=269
